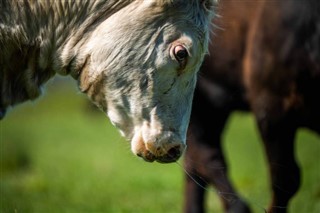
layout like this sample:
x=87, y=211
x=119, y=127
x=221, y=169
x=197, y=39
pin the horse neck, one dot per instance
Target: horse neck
x=39, y=39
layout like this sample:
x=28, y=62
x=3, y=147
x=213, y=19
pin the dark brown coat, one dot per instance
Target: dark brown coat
x=265, y=58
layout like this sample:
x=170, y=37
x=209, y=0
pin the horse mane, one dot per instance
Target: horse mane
x=35, y=31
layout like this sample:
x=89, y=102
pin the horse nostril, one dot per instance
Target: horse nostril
x=149, y=156
x=172, y=155
x=174, y=152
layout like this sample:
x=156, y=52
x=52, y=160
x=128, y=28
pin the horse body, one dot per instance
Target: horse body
x=266, y=59
x=136, y=60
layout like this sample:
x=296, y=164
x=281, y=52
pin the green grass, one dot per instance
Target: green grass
x=57, y=155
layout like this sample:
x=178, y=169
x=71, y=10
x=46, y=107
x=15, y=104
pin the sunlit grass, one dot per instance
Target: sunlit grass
x=58, y=155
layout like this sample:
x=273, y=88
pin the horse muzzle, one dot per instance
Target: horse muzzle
x=164, y=147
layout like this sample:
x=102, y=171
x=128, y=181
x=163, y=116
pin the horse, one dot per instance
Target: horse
x=137, y=60
x=265, y=58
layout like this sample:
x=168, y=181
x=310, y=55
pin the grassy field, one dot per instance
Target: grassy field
x=57, y=155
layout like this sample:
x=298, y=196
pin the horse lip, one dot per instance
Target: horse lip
x=166, y=159
x=148, y=156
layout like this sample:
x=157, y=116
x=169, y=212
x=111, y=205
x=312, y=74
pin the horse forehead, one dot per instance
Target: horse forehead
x=172, y=7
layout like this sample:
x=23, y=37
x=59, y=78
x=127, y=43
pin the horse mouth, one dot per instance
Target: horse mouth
x=172, y=156
x=166, y=147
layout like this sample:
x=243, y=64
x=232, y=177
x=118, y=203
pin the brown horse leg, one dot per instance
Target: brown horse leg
x=278, y=131
x=204, y=161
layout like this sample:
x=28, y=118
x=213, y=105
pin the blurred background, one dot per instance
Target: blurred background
x=59, y=154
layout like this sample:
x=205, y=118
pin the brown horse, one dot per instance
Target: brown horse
x=265, y=58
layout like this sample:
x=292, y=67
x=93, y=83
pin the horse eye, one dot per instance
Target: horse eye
x=180, y=53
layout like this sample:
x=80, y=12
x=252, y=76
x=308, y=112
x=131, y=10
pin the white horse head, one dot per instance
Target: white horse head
x=136, y=59
x=141, y=70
